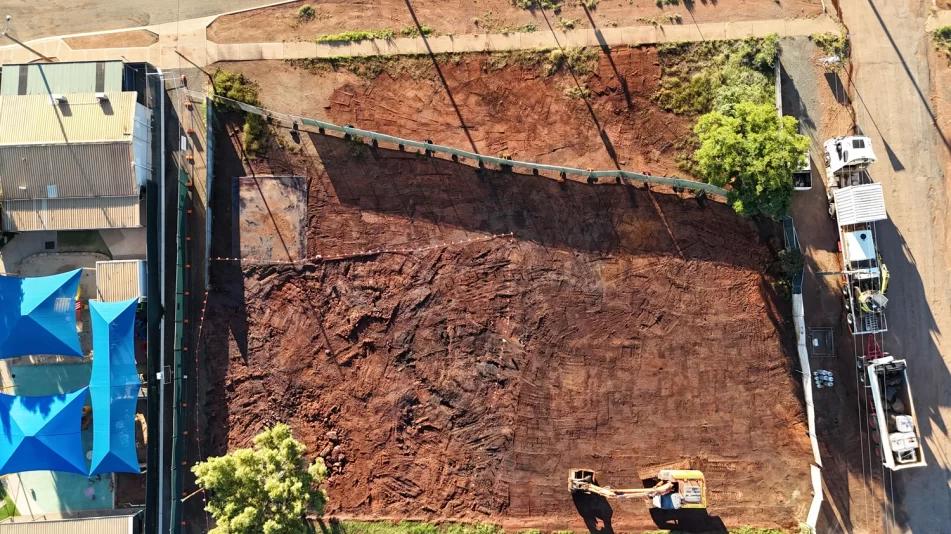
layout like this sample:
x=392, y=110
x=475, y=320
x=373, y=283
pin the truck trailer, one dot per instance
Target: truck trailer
x=857, y=203
x=895, y=413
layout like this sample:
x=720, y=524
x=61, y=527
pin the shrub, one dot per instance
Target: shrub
x=566, y=24
x=306, y=12
x=832, y=44
x=236, y=87
x=942, y=38
x=553, y=5
x=357, y=35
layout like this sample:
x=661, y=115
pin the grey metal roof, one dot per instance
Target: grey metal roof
x=82, y=118
x=118, y=523
x=62, y=78
x=72, y=213
x=60, y=171
x=859, y=204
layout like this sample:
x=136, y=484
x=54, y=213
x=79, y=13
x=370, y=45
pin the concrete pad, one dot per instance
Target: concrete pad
x=229, y=52
x=763, y=28
x=713, y=31
x=325, y=50
x=673, y=33
x=636, y=35
x=363, y=48
x=561, y=38
x=337, y=48
x=537, y=40
x=469, y=43
x=407, y=45
x=610, y=36
x=577, y=38
x=300, y=50
x=272, y=51
x=438, y=45
x=739, y=30
x=503, y=41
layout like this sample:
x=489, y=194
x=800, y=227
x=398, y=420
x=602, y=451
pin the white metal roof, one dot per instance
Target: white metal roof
x=860, y=204
x=851, y=151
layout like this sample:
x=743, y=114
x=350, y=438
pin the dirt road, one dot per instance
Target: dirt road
x=892, y=106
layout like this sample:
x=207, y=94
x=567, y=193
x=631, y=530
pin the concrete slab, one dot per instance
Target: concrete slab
x=228, y=52
x=406, y=45
x=538, y=40
x=502, y=41
x=609, y=36
x=300, y=50
x=739, y=30
x=272, y=222
x=438, y=45
x=636, y=35
x=335, y=49
x=272, y=51
x=469, y=43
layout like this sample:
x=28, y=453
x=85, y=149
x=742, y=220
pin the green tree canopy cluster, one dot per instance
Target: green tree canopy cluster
x=269, y=488
x=752, y=152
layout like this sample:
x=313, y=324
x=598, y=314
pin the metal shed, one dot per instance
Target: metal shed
x=116, y=522
x=860, y=204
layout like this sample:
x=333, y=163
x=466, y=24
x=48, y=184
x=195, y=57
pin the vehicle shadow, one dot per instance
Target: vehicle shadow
x=595, y=511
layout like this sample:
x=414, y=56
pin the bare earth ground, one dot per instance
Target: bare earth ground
x=515, y=111
x=462, y=382
x=280, y=23
x=113, y=40
x=616, y=328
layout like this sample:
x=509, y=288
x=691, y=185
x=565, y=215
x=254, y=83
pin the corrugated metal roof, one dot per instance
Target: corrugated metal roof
x=61, y=171
x=72, y=213
x=119, y=280
x=31, y=119
x=94, y=525
x=859, y=204
x=62, y=78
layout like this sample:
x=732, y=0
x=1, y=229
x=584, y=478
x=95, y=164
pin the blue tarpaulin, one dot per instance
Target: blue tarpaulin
x=114, y=387
x=38, y=315
x=42, y=433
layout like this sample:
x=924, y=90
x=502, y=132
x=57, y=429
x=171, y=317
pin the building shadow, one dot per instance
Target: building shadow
x=225, y=320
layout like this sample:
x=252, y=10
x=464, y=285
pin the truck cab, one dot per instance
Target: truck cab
x=847, y=154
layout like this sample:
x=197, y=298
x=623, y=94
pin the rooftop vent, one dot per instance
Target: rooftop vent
x=102, y=97
x=57, y=99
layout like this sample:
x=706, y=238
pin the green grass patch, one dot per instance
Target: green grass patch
x=657, y=20
x=566, y=24
x=549, y=61
x=942, y=40
x=699, y=77
x=306, y=13
x=370, y=67
x=357, y=35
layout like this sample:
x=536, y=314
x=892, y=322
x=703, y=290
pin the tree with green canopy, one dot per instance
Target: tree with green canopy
x=269, y=488
x=752, y=152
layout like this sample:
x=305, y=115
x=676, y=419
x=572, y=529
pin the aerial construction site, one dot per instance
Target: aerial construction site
x=460, y=338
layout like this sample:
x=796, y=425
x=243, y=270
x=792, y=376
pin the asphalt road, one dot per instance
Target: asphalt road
x=893, y=107
x=47, y=18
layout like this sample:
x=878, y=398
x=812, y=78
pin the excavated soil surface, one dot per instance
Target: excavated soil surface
x=281, y=23
x=514, y=327
x=511, y=109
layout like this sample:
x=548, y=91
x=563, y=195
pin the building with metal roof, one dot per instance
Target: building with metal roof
x=73, y=161
x=63, y=78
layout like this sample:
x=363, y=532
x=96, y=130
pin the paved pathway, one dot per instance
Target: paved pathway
x=181, y=43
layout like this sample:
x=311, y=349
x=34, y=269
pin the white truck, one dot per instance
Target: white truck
x=857, y=203
x=895, y=413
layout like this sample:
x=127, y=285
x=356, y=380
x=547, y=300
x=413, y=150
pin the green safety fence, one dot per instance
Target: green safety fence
x=178, y=421
x=456, y=154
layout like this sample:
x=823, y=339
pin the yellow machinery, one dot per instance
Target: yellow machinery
x=675, y=489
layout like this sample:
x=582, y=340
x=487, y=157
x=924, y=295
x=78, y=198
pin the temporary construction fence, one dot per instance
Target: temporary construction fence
x=799, y=322
x=295, y=123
